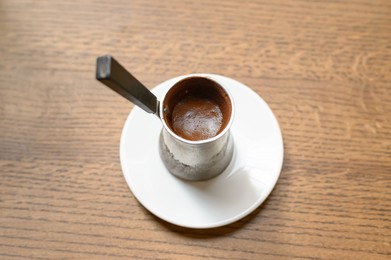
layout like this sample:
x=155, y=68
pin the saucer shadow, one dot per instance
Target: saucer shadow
x=209, y=233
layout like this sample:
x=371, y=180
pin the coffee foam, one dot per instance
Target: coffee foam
x=197, y=118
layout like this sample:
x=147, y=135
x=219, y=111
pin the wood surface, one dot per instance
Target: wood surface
x=324, y=67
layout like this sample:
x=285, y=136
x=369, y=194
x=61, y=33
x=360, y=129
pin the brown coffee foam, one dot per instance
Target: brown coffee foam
x=198, y=88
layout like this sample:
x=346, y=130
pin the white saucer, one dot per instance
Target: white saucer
x=239, y=190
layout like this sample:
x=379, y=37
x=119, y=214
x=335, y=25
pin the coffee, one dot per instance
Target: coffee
x=197, y=108
x=197, y=118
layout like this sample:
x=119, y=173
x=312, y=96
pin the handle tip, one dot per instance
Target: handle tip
x=103, y=67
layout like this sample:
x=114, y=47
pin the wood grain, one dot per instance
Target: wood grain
x=324, y=67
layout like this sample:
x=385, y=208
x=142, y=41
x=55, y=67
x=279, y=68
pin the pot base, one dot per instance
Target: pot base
x=201, y=169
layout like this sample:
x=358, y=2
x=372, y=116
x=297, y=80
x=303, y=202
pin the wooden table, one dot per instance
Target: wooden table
x=324, y=67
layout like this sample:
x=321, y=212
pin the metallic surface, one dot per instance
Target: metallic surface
x=196, y=160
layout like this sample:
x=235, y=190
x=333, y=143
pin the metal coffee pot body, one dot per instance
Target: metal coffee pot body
x=201, y=159
x=195, y=161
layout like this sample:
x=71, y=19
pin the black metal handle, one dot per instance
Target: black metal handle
x=116, y=77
